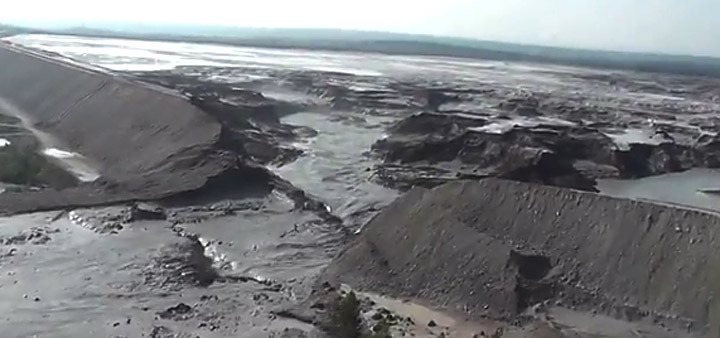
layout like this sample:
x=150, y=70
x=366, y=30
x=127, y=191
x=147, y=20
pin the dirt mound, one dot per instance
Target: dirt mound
x=495, y=248
x=179, y=265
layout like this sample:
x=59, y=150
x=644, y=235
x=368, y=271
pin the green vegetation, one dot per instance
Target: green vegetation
x=392, y=43
x=18, y=168
x=6, y=30
x=380, y=330
x=345, y=318
x=346, y=321
x=25, y=167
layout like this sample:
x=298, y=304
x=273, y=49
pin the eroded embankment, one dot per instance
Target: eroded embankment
x=145, y=142
x=494, y=248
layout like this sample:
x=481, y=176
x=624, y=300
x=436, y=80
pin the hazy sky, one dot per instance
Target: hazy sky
x=669, y=26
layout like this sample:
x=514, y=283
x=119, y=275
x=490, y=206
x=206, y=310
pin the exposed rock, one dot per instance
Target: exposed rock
x=146, y=211
x=179, y=265
x=34, y=235
x=177, y=312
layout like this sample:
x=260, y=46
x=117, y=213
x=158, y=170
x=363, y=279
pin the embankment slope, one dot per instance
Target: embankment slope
x=494, y=248
x=145, y=142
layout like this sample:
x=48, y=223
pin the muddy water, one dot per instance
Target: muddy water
x=75, y=284
x=336, y=163
x=446, y=324
x=697, y=188
x=65, y=275
x=272, y=243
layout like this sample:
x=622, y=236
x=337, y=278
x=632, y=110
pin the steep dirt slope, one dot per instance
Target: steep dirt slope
x=495, y=248
x=145, y=142
x=111, y=121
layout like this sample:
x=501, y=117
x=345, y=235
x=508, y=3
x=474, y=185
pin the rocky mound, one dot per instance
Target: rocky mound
x=496, y=248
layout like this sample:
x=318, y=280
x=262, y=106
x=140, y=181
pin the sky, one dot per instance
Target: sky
x=662, y=26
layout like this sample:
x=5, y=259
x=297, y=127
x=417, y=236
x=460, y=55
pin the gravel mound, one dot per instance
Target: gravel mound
x=495, y=248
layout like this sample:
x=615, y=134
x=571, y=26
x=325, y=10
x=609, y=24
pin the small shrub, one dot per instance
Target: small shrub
x=346, y=321
x=18, y=168
x=380, y=330
x=345, y=318
x=24, y=167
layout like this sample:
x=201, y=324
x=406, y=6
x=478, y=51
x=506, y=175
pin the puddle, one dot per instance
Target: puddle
x=574, y=322
x=551, y=322
x=697, y=188
x=444, y=324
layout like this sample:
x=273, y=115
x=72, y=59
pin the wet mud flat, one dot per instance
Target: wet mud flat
x=225, y=230
x=100, y=273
